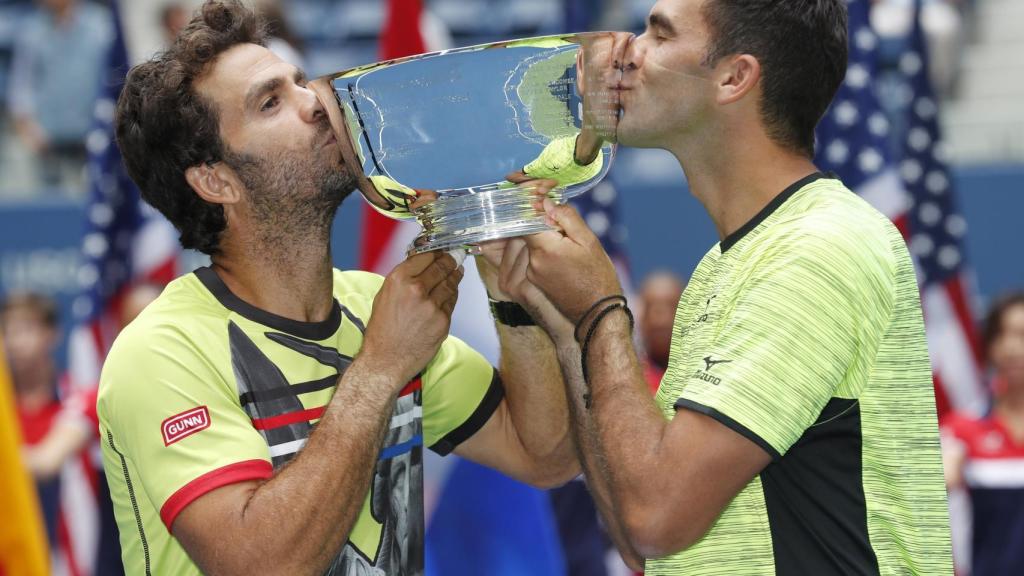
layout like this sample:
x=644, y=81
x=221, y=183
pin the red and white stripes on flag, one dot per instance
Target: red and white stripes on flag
x=125, y=242
x=385, y=241
x=916, y=194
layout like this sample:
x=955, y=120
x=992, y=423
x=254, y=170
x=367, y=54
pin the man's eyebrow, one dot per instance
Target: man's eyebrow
x=656, y=20
x=256, y=92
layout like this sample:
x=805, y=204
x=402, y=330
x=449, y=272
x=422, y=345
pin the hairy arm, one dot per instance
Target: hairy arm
x=660, y=484
x=296, y=522
x=667, y=480
x=592, y=458
x=528, y=437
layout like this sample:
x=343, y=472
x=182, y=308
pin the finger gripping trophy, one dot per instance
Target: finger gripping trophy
x=466, y=141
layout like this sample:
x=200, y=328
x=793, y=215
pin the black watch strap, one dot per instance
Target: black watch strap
x=511, y=314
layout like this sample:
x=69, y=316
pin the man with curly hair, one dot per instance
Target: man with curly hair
x=266, y=414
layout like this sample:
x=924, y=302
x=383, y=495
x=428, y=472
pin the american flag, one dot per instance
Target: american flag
x=916, y=193
x=384, y=242
x=124, y=241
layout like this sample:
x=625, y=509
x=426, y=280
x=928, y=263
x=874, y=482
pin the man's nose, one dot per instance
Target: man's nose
x=312, y=108
x=634, y=56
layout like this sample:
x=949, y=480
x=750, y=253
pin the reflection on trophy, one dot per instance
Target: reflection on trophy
x=458, y=139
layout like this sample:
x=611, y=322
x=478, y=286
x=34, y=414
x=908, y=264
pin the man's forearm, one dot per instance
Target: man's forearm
x=536, y=402
x=296, y=522
x=589, y=449
x=622, y=425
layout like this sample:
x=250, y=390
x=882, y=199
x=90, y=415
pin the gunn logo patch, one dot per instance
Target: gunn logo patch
x=185, y=424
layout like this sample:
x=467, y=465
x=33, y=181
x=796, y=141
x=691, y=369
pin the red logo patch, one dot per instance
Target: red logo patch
x=185, y=424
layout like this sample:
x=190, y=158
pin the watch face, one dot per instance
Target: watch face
x=511, y=314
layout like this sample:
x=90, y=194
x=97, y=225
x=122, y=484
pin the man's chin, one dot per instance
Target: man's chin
x=336, y=187
x=631, y=139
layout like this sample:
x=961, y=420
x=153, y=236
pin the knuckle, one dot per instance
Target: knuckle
x=416, y=290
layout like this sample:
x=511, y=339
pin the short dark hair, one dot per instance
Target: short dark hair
x=992, y=327
x=165, y=127
x=802, y=48
x=44, y=307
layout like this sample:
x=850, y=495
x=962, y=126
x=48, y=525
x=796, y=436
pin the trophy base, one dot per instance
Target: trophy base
x=479, y=215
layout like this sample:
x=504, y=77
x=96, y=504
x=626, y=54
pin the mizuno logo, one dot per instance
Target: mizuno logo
x=712, y=363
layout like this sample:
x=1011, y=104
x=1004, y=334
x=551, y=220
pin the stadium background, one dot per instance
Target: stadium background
x=974, y=50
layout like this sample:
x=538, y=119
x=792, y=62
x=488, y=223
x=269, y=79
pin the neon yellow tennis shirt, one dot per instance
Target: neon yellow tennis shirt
x=802, y=331
x=204, y=390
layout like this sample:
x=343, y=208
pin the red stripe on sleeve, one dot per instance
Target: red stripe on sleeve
x=289, y=418
x=230, y=474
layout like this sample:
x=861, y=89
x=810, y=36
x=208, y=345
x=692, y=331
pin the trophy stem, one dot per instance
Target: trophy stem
x=482, y=214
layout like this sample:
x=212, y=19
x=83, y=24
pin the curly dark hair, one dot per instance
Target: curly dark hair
x=802, y=48
x=165, y=127
x=992, y=326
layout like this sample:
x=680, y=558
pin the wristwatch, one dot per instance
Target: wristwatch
x=510, y=314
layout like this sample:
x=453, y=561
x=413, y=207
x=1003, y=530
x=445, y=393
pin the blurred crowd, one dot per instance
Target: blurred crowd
x=53, y=55
x=53, y=52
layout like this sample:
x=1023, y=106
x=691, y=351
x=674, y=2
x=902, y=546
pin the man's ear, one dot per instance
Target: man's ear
x=737, y=76
x=215, y=183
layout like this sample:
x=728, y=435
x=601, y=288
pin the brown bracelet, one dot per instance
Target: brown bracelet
x=580, y=323
x=587, y=399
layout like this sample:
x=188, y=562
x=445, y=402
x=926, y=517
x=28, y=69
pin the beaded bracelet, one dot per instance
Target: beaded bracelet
x=586, y=342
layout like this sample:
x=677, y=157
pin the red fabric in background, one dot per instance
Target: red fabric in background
x=401, y=37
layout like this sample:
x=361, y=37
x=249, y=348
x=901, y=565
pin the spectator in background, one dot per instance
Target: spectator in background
x=56, y=71
x=281, y=40
x=29, y=325
x=943, y=22
x=173, y=17
x=78, y=423
x=659, y=297
x=984, y=454
x=73, y=429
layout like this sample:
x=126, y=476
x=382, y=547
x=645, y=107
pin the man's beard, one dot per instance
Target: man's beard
x=292, y=195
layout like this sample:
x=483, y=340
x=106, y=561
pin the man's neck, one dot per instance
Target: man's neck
x=289, y=278
x=736, y=177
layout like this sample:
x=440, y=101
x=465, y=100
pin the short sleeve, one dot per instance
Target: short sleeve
x=797, y=333
x=168, y=410
x=461, y=390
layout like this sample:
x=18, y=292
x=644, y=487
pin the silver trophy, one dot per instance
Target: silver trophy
x=459, y=139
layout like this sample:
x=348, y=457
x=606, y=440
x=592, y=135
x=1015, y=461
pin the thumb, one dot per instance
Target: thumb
x=517, y=177
x=544, y=241
x=569, y=220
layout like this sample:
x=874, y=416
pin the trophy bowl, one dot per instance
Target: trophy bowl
x=459, y=139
